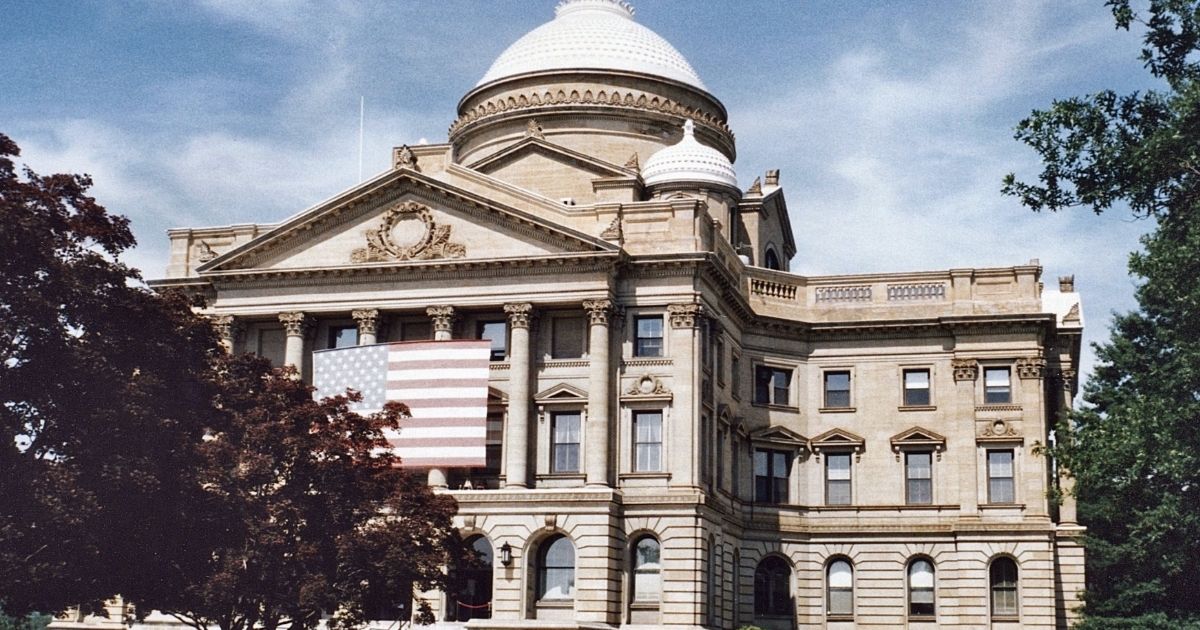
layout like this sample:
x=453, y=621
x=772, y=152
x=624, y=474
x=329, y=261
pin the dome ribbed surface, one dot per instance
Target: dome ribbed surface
x=593, y=35
x=689, y=161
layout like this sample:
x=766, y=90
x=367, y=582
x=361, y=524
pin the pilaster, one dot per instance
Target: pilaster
x=599, y=421
x=516, y=439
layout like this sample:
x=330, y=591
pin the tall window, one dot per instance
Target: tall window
x=567, y=337
x=497, y=333
x=918, y=478
x=916, y=387
x=1003, y=578
x=771, y=260
x=474, y=599
x=564, y=449
x=770, y=476
x=343, y=336
x=837, y=389
x=997, y=386
x=1000, y=476
x=772, y=588
x=648, y=336
x=735, y=376
x=839, y=586
x=556, y=570
x=647, y=441
x=920, y=589
x=647, y=570
x=837, y=479
x=721, y=440
x=772, y=385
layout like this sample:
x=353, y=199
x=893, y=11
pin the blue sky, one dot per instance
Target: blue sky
x=891, y=122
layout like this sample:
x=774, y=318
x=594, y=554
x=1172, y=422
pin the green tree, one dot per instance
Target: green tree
x=311, y=512
x=102, y=394
x=1134, y=449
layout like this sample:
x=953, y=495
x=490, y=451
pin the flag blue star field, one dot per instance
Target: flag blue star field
x=444, y=384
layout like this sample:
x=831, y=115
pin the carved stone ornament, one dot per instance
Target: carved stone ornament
x=442, y=316
x=534, y=130
x=519, y=315
x=1073, y=314
x=295, y=324
x=1068, y=379
x=613, y=232
x=998, y=429
x=965, y=369
x=648, y=386
x=403, y=157
x=433, y=242
x=599, y=311
x=756, y=187
x=204, y=252
x=633, y=163
x=1031, y=367
x=685, y=315
x=367, y=320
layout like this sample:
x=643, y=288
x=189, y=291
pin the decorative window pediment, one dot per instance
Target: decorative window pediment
x=779, y=436
x=647, y=388
x=496, y=396
x=561, y=393
x=918, y=438
x=838, y=440
x=999, y=431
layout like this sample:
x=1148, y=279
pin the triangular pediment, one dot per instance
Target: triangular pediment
x=918, y=437
x=779, y=435
x=835, y=439
x=404, y=217
x=550, y=170
x=561, y=392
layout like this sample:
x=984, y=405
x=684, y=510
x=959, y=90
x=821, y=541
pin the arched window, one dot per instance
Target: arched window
x=647, y=570
x=772, y=588
x=556, y=570
x=771, y=259
x=839, y=586
x=473, y=597
x=920, y=588
x=1003, y=578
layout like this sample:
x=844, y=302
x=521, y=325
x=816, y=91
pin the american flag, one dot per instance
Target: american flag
x=444, y=384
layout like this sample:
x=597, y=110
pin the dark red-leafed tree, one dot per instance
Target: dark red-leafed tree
x=104, y=389
x=309, y=512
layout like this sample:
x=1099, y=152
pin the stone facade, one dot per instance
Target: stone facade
x=745, y=418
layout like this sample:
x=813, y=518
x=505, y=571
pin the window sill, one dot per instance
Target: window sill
x=575, y=476
x=1006, y=618
x=645, y=605
x=775, y=407
x=923, y=618
x=917, y=408
x=839, y=617
x=837, y=409
x=645, y=474
x=998, y=407
x=556, y=603
x=1002, y=506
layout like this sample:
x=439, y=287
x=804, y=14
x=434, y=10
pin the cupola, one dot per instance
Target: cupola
x=689, y=162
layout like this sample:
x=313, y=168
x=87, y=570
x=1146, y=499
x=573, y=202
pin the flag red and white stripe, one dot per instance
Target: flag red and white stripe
x=444, y=384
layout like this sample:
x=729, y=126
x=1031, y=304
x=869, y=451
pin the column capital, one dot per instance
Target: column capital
x=443, y=317
x=965, y=369
x=685, y=315
x=227, y=326
x=520, y=315
x=1030, y=368
x=599, y=311
x=367, y=320
x=295, y=323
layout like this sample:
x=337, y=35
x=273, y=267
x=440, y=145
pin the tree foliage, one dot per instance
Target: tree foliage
x=310, y=511
x=101, y=397
x=1135, y=449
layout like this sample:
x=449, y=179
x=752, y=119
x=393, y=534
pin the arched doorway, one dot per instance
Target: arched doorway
x=472, y=596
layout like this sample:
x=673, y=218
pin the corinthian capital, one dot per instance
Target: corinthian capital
x=442, y=316
x=519, y=315
x=599, y=311
x=295, y=324
x=367, y=320
x=685, y=315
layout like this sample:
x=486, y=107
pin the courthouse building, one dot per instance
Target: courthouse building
x=682, y=432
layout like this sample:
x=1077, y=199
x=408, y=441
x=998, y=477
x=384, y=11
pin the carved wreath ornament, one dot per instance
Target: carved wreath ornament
x=433, y=243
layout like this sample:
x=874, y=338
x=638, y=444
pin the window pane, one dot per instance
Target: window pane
x=762, y=384
x=1001, y=491
x=840, y=574
x=497, y=333
x=920, y=491
x=761, y=463
x=838, y=465
x=920, y=574
x=779, y=467
x=995, y=377
x=343, y=336
x=557, y=579
x=839, y=493
x=916, y=387
x=996, y=386
x=837, y=389
x=919, y=465
x=1000, y=463
x=841, y=602
x=648, y=337
x=565, y=447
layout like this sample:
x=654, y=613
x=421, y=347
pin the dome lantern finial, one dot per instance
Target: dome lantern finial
x=619, y=7
x=689, y=129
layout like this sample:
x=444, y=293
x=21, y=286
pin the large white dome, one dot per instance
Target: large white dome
x=689, y=161
x=593, y=35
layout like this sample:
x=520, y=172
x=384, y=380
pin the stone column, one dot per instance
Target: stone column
x=443, y=325
x=684, y=449
x=599, y=421
x=368, y=325
x=296, y=325
x=1067, y=511
x=229, y=329
x=516, y=438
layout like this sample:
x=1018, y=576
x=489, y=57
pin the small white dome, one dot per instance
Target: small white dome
x=689, y=161
x=593, y=35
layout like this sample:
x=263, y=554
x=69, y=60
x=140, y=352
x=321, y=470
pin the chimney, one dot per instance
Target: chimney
x=1066, y=284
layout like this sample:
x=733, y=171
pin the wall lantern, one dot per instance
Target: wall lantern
x=506, y=554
